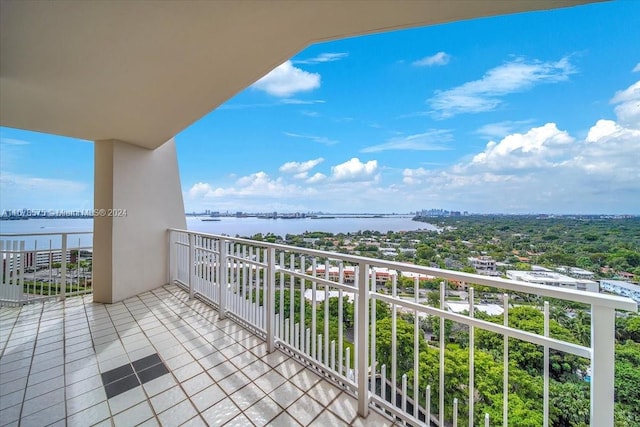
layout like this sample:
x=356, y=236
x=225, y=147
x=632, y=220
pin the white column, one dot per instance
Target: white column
x=139, y=193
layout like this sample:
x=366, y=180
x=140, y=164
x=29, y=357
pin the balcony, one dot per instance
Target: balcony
x=242, y=336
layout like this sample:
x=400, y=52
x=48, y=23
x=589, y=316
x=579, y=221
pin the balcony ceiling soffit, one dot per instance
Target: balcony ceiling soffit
x=141, y=72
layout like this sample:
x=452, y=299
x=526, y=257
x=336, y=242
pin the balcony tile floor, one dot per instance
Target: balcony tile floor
x=154, y=359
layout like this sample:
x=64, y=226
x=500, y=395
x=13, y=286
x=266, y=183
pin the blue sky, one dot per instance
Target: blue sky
x=527, y=113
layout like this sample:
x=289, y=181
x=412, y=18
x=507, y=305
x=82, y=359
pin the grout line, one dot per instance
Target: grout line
x=35, y=342
x=167, y=307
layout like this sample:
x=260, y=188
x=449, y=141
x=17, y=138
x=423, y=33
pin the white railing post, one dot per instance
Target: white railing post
x=270, y=299
x=442, y=356
x=63, y=267
x=472, y=365
x=363, y=339
x=545, y=375
x=223, y=279
x=505, y=365
x=172, y=257
x=602, y=365
x=191, y=264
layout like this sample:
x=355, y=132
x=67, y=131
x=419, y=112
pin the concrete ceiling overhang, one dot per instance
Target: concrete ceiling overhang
x=142, y=71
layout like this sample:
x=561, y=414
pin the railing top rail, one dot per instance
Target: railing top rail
x=58, y=233
x=591, y=298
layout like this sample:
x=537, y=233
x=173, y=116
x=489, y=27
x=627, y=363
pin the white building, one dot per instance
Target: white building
x=382, y=275
x=46, y=259
x=39, y=259
x=622, y=288
x=461, y=307
x=551, y=278
x=484, y=265
x=576, y=272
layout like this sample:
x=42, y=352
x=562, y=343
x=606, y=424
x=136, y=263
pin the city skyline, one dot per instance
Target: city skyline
x=474, y=116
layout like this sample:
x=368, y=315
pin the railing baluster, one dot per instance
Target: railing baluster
x=472, y=372
x=427, y=404
x=455, y=412
x=63, y=267
x=394, y=343
x=404, y=395
x=222, y=275
x=333, y=355
x=327, y=293
x=340, y=317
x=4, y=265
x=50, y=266
x=314, y=314
x=270, y=299
x=241, y=252
x=416, y=350
x=292, y=299
x=505, y=366
x=253, y=286
x=190, y=262
x=442, y=349
x=22, y=273
x=371, y=282
x=383, y=382
x=303, y=325
x=281, y=311
x=545, y=398
x=362, y=340
x=172, y=257
x=286, y=331
x=34, y=268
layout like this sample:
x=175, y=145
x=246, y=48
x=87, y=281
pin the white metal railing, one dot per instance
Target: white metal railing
x=38, y=266
x=300, y=300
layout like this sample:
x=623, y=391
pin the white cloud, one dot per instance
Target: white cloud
x=502, y=129
x=440, y=58
x=323, y=57
x=12, y=141
x=355, y=170
x=200, y=189
x=31, y=183
x=485, y=94
x=628, y=108
x=258, y=184
x=293, y=101
x=276, y=103
x=542, y=170
x=432, y=140
x=286, y=80
x=299, y=167
x=25, y=191
x=538, y=147
x=636, y=69
x=611, y=154
x=310, y=113
x=316, y=178
x=319, y=139
x=301, y=175
x=414, y=176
